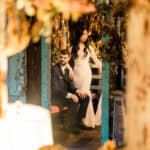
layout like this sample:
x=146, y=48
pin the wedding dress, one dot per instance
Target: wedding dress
x=82, y=80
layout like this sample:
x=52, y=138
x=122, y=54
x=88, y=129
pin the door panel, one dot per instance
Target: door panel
x=16, y=77
x=33, y=54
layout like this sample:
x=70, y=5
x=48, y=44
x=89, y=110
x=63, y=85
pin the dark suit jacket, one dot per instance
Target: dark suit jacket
x=60, y=85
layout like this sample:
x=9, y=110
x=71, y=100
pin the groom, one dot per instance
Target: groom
x=64, y=94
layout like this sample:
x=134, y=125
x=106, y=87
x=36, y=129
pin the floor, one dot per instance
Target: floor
x=86, y=140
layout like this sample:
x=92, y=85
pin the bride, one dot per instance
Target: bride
x=81, y=53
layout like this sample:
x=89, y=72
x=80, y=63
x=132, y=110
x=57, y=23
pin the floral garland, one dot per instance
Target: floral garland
x=23, y=21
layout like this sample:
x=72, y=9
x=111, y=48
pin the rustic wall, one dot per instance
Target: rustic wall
x=138, y=78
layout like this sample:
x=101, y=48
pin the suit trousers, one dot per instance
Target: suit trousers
x=76, y=111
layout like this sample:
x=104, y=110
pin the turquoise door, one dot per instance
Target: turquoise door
x=16, y=77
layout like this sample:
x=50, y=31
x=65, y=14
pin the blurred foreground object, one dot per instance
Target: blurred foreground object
x=3, y=85
x=137, y=121
x=52, y=147
x=25, y=127
x=26, y=20
x=109, y=145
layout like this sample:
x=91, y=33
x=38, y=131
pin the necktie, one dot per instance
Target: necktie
x=65, y=71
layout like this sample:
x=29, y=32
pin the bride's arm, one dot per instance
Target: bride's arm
x=69, y=66
x=95, y=59
x=70, y=71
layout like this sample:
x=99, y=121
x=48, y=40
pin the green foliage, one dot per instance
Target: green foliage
x=54, y=54
x=112, y=30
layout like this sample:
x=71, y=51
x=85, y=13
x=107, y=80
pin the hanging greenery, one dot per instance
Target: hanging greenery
x=108, y=31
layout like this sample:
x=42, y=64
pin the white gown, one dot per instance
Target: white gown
x=82, y=80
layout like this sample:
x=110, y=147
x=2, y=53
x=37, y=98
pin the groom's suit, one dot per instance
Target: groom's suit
x=61, y=84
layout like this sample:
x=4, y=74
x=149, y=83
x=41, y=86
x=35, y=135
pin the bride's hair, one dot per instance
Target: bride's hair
x=76, y=30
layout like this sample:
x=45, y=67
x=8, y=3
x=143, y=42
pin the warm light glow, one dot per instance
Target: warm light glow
x=3, y=86
x=28, y=127
x=25, y=127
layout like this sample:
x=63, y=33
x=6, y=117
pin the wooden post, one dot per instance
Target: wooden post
x=105, y=102
x=137, y=121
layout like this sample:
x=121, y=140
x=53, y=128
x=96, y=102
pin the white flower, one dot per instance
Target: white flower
x=29, y=9
x=21, y=4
